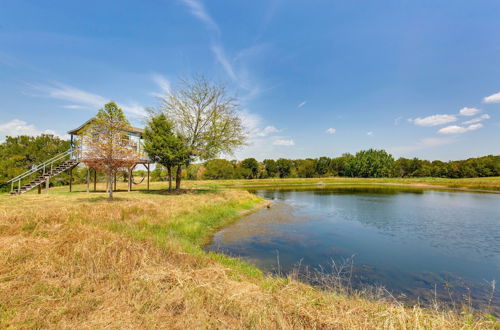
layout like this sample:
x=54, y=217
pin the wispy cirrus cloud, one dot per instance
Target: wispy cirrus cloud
x=79, y=98
x=455, y=129
x=301, y=104
x=494, y=98
x=198, y=10
x=163, y=83
x=221, y=57
x=83, y=99
x=238, y=75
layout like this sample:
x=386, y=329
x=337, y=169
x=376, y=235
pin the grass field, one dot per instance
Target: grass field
x=74, y=260
x=489, y=184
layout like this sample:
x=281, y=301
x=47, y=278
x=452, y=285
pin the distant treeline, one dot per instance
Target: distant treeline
x=19, y=154
x=364, y=164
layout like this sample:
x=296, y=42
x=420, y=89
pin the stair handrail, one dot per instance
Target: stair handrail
x=42, y=165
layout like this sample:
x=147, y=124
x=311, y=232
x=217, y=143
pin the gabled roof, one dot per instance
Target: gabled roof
x=79, y=129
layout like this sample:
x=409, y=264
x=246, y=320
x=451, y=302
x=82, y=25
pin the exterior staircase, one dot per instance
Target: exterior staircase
x=49, y=169
x=43, y=178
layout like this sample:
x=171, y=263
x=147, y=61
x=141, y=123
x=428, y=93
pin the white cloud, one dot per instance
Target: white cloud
x=221, y=57
x=261, y=139
x=134, y=109
x=301, y=104
x=68, y=93
x=286, y=143
x=18, y=127
x=241, y=76
x=369, y=133
x=84, y=99
x=434, y=120
x=253, y=124
x=469, y=111
x=477, y=119
x=74, y=106
x=163, y=83
x=454, y=129
x=494, y=98
x=267, y=131
x=198, y=10
x=331, y=131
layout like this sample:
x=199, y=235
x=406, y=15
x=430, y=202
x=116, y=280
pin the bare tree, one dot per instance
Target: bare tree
x=107, y=147
x=206, y=116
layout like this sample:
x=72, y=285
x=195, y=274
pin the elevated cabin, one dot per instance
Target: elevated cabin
x=135, y=136
x=43, y=172
x=136, y=141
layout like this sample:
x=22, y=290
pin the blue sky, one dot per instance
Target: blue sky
x=417, y=78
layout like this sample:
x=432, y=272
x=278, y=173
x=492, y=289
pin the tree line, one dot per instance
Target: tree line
x=364, y=164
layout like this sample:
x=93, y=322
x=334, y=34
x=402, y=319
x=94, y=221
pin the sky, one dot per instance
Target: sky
x=313, y=78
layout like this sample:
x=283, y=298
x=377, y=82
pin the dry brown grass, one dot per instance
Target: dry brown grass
x=76, y=261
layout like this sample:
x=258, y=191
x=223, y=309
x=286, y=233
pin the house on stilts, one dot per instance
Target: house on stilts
x=41, y=174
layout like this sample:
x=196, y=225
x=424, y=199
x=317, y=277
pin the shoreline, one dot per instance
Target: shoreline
x=409, y=185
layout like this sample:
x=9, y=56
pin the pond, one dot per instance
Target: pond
x=420, y=245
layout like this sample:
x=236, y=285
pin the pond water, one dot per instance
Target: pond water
x=418, y=244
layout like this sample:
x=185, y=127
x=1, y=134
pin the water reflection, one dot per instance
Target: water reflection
x=410, y=241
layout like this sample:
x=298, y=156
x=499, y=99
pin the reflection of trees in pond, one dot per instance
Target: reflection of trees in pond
x=406, y=214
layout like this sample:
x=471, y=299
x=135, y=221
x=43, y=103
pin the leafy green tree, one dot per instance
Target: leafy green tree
x=218, y=169
x=305, y=168
x=270, y=168
x=322, y=166
x=164, y=145
x=19, y=154
x=371, y=164
x=252, y=165
x=284, y=167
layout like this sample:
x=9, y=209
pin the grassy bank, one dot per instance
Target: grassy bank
x=75, y=260
x=487, y=184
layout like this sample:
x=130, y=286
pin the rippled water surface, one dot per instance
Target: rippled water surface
x=416, y=243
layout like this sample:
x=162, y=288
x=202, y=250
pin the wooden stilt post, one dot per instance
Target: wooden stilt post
x=115, y=183
x=88, y=179
x=130, y=179
x=47, y=184
x=39, y=189
x=148, y=176
x=95, y=180
x=70, y=179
